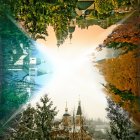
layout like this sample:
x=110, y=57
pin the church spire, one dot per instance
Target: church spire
x=79, y=110
x=66, y=108
x=70, y=37
x=66, y=111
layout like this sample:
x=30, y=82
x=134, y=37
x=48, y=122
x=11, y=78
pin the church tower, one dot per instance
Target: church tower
x=79, y=117
x=66, y=119
x=72, y=26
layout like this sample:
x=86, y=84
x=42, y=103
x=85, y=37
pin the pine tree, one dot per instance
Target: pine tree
x=35, y=123
x=43, y=119
x=120, y=124
x=25, y=126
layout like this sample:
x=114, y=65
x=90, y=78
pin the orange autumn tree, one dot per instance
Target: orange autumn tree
x=121, y=74
x=127, y=32
x=126, y=37
x=121, y=71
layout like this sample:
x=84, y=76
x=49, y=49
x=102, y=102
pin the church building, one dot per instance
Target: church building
x=71, y=127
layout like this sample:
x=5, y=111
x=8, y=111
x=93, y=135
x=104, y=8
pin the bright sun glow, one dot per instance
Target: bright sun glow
x=74, y=73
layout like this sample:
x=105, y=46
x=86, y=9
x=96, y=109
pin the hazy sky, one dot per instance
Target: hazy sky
x=74, y=73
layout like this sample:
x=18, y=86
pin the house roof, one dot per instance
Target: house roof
x=83, y=5
x=66, y=114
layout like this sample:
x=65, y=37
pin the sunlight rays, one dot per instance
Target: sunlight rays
x=73, y=71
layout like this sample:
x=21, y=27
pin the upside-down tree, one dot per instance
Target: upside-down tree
x=125, y=36
x=35, y=16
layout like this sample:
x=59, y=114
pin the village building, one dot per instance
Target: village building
x=71, y=127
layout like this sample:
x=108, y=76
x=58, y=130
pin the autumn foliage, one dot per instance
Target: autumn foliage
x=122, y=73
x=128, y=32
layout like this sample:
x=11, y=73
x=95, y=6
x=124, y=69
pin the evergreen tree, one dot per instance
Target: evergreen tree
x=126, y=95
x=120, y=124
x=35, y=123
x=25, y=128
x=43, y=119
